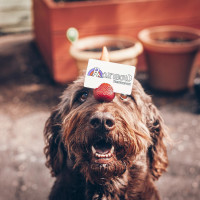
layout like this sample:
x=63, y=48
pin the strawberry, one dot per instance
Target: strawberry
x=104, y=93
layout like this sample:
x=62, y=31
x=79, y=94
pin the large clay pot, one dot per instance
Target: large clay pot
x=121, y=50
x=170, y=52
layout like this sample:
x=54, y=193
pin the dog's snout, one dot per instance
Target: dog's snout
x=101, y=120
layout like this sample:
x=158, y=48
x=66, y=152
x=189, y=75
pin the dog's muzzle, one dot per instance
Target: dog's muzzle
x=102, y=149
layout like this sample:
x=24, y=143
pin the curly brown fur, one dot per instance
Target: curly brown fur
x=129, y=132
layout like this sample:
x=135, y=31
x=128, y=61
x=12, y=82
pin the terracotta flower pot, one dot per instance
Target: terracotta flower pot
x=121, y=50
x=113, y=17
x=170, y=53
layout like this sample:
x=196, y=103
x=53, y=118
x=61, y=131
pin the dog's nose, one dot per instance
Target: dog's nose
x=102, y=120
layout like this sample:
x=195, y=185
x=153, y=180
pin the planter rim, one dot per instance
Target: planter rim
x=150, y=43
x=62, y=5
x=76, y=49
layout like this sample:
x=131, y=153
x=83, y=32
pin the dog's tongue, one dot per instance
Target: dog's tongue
x=102, y=147
x=102, y=151
x=104, y=93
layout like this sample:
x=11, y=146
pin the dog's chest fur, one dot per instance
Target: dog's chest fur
x=130, y=185
x=116, y=188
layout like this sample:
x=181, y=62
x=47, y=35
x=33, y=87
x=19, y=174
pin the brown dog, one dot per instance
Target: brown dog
x=105, y=150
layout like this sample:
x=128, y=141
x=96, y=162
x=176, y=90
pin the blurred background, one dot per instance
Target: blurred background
x=37, y=62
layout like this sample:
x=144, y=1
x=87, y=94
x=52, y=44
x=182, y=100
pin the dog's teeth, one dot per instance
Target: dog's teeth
x=112, y=150
x=99, y=155
x=109, y=155
x=93, y=150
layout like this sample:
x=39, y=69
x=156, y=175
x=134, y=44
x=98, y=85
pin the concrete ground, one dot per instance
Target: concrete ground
x=27, y=95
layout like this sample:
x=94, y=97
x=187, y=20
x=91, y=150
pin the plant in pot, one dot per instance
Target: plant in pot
x=121, y=49
x=170, y=53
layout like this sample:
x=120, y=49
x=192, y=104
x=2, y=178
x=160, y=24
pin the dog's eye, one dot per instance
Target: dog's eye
x=83, y=97
x=123, y=96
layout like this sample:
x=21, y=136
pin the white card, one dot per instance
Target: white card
x=119, y=76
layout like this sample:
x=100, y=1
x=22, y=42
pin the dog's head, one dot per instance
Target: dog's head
x=104, y=139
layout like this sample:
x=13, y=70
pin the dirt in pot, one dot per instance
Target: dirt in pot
x=174, y=40
x=110, y=48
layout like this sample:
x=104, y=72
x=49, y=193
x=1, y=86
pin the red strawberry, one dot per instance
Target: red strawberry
x=104, y=93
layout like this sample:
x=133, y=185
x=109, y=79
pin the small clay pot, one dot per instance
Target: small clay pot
x=121, y=49
x=170, y=52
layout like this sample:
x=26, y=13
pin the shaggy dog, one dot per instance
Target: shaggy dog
x=105, y=150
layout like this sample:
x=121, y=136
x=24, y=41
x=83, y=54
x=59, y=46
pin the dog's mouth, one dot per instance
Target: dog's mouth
x=103, y=151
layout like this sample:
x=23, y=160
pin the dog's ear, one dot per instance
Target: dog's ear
x=54, y=147
x=157, y=153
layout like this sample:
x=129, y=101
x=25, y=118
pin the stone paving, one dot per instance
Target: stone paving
x=27, y=95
